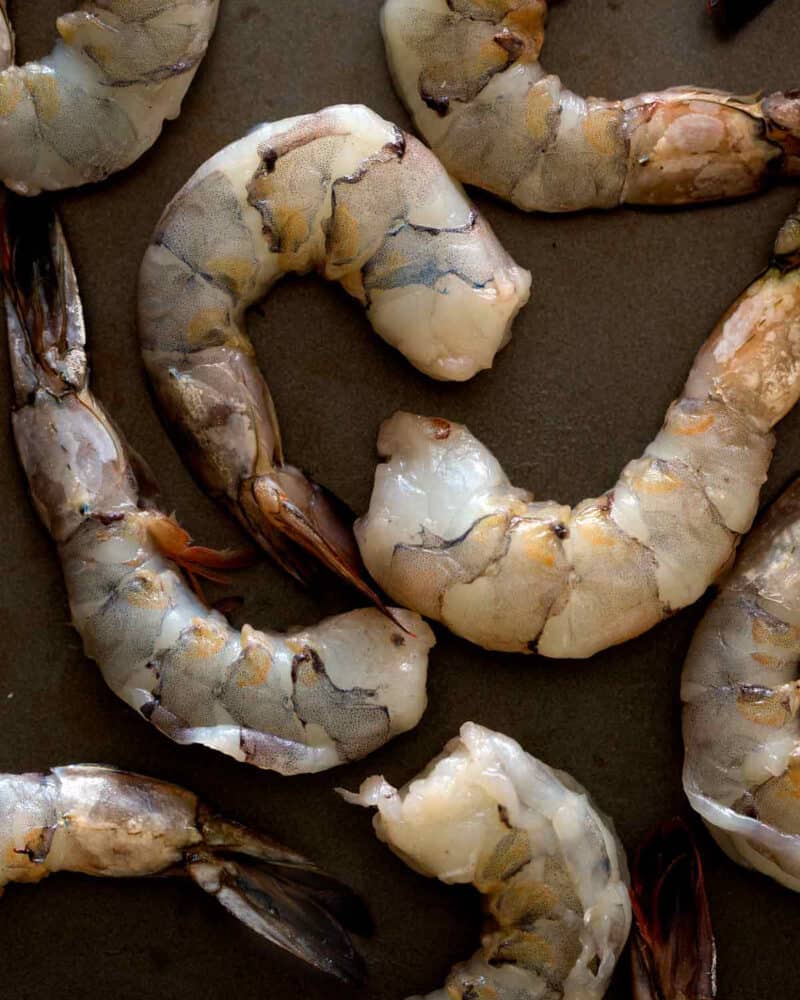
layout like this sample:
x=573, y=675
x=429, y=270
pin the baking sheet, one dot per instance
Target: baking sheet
x=621, y=302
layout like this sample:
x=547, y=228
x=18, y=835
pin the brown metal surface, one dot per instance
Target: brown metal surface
x=621, y=302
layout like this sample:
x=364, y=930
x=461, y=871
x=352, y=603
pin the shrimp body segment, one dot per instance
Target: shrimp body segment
x=447, y=534
x=293, y=703
x=549, y=866
x=741, y=694
x=99, y=100
x=101, y=821
x=469, y=73
x=348, y=195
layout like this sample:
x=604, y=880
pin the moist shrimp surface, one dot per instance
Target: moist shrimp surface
x=741, y=694
x=99, y=100
x=447, y=534
x=549, y=866
x=101, y=821
x=344, y=193
x=292, y=703
x=469, y=73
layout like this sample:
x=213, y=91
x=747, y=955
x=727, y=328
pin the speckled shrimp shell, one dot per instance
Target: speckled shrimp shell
x=469, y=73
x=550, y=869
x=99, y=100
x=292, y=703
x=447, y=534
x=344, y=193
x=741, y=697
x=101, y=821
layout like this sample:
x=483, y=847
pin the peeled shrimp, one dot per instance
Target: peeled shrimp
x=99, y=100
x=101, y=821
x=292, y=703
x=548, y=864
x=448, y=535
x=741, y=696
x=469, y=73
x=344, y=193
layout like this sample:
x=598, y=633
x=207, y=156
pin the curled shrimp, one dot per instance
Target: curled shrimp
x=99, y=100
x=741, y=695
x=548, y=864
x=469, y=73
x=101, y=821
x=293, y=703
x=347, y=194
x=448, y=535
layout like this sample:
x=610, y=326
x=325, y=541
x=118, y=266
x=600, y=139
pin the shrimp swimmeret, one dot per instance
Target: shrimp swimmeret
x=448, y=535
x=741, y=694
x=469, y=73
x=101, y=821
x=99, y=100
x=349, y=195
x=300, y=702
x=549, y=865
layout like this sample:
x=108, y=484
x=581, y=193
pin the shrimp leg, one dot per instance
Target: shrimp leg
x=447, y=534
x=344, y=193
x=741, y=695
x=469, y=73
x=119, y=69
x=548, y=864
x=293, y=703
x=101, y=821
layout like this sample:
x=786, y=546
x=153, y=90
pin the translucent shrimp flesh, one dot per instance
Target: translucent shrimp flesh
x=344, y=193
x=293, y=703
x=448, y=535
x=469, y=73
x=548, y=864
x=99, y=100
x=741, y=694
x=101, y=821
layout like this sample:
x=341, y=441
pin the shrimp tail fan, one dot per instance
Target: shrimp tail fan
x=44, y=317
x=673, y=955
x=281, y=896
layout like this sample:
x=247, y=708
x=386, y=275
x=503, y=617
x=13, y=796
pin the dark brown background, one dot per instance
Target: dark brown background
x=621, y=302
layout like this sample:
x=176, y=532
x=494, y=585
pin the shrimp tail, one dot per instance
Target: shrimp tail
x=673, y=954
x=294, y=517
x=44, y=316
x=281, y=896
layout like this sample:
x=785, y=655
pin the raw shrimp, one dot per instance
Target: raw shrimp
x=469, y=73
x=100, y=821
x=448, y=535
x=548, y=864
x=6, y=38
x=741, y=696
x=99, y=100
x=344, y=193
x=293, y=703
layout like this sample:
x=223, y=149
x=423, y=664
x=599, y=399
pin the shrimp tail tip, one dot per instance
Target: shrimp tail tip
x=283, y=897
x=44, y=316
x=294, y=518
x=673, y=952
